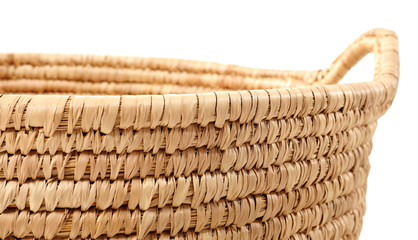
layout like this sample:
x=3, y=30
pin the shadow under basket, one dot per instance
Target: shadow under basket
x=187, y=149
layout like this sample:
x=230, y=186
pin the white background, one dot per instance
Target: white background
x=303, y=35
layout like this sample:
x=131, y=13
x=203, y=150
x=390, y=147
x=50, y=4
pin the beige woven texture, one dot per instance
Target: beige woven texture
x=187, y=149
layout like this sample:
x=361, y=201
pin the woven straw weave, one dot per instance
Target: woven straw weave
x=187, y=149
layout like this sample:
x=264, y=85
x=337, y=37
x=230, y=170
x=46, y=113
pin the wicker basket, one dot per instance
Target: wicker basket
x=187, y=149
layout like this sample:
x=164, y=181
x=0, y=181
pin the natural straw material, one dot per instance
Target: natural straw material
x=187, y=149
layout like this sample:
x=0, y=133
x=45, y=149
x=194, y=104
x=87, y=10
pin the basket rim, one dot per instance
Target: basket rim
x=382, y=42
x=184, y=109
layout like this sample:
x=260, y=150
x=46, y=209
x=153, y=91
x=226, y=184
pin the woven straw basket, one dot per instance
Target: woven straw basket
x=187, y=149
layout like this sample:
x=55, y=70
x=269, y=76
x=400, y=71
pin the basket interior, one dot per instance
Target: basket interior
x=105, y=75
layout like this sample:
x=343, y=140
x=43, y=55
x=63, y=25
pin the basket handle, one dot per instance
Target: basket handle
x=383, y=43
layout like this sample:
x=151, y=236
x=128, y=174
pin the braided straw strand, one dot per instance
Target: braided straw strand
x=209, y=187
x=141, y=164
x=92, y=222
